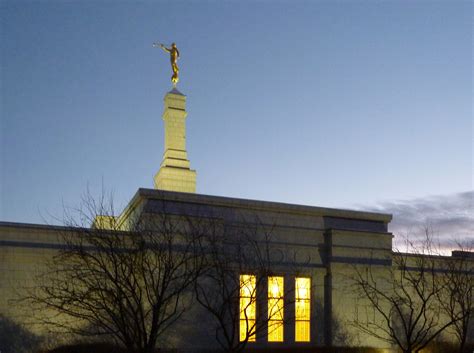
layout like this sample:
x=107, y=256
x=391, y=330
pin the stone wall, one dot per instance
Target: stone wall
x=323, y=244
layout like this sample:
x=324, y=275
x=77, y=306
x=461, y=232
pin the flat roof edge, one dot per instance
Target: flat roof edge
x=36, y=226
x=259, y=204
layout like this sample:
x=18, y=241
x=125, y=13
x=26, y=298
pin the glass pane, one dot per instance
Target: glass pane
x=275, y=287
x=275, y=309
x=275, y=331
x=247, y=308
x=247, y=285
x=302, y=309
x=302, y=286
x=302, y=331
x=247, y=326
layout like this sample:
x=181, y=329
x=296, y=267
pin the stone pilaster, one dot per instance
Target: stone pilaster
x=175, y=173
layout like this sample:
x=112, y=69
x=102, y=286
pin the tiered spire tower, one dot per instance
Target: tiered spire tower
x=175, y=173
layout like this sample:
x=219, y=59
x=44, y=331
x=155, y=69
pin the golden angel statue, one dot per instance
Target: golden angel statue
x=174, y=55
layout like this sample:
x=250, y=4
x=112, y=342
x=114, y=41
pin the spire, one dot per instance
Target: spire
x=175, y=173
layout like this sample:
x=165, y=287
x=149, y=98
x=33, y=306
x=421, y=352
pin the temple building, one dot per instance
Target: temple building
x=314, y=252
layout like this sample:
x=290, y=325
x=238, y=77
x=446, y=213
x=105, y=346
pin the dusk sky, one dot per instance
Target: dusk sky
x=351, y=104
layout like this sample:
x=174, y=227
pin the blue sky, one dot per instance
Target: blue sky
x=353, y=104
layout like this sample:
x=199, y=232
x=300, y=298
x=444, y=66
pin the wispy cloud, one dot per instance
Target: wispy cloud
x=450, y=217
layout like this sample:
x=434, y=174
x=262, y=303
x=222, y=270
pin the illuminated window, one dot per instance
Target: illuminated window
x=248, y=307
x=275, y=309
x=302, y=309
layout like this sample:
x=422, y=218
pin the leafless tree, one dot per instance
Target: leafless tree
x=123, y=280
x=403, y=301
x=457, y=299
x=231, y=251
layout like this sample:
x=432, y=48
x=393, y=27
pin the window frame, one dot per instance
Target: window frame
x=305, y=307
x=247, y=324
x=279, y=302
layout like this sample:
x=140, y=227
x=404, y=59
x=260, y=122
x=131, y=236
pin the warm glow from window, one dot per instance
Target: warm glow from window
x=302, y=309
x=275, y=309
x=248, y=307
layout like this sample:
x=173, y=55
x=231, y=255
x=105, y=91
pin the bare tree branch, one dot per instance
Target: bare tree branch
x=124, y=281
x=405, y=299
